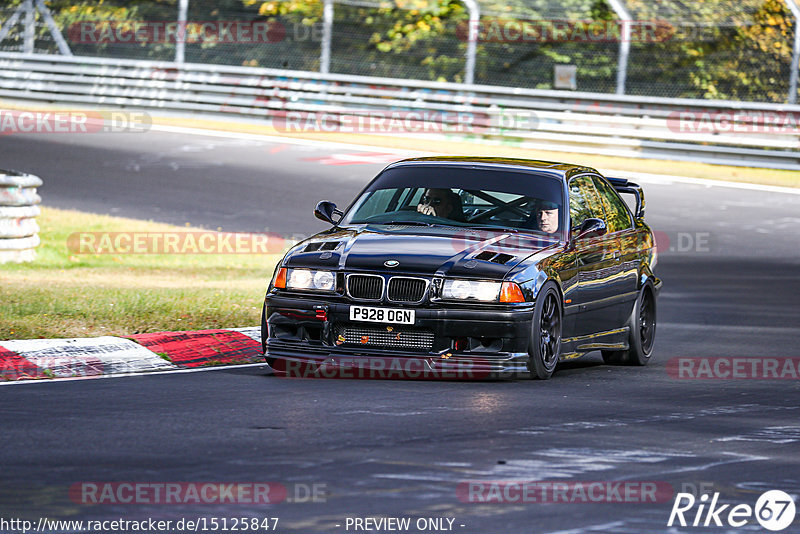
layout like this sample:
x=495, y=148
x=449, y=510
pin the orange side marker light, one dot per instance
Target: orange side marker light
x=511, y=292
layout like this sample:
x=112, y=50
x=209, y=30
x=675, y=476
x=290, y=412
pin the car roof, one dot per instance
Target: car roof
x=564, y=170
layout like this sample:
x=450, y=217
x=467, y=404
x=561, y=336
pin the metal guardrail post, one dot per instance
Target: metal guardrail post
x=327, y=35
x=472, y=40
x=18, y=210
x=63, y=47
x=30, y=27
x=795, y=9
x=29, y=32
x=624, y=44
x=180, y=35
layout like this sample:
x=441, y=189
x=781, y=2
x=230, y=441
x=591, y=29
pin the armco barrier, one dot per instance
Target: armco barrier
x=724, y=132
x=18, y=211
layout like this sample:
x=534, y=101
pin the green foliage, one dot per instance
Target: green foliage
x=737, y=49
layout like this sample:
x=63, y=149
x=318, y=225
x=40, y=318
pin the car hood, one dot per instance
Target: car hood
x=419, y=250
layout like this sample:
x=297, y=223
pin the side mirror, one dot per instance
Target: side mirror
x=325, y=211
x=592, y=228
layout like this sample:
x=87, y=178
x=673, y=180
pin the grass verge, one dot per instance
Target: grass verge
x=63, y=294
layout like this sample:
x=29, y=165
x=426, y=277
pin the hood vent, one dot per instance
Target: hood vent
x=321, y=245
x=494, y=257
x=502, y=259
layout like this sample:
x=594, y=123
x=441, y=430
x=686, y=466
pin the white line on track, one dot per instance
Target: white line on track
x=287, y=140
x=661, y=179
x=666, y=179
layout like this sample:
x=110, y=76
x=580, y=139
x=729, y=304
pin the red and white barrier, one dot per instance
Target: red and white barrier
x=204, y=347
x=140, y=353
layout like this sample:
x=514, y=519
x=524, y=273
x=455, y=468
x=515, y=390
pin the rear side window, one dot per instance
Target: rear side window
x=618, y=217
x=584, y=202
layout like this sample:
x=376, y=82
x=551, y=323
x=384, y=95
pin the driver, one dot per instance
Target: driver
x=547, y=217
x=439, y=203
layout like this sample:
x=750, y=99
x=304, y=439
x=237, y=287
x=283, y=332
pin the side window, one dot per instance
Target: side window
x=617, y=213
x=584, y=202
x=378, y=202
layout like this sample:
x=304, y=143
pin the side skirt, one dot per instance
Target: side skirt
x=575, y=347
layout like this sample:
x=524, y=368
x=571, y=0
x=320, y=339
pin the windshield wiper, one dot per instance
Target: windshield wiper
x=527, y=231
x=405, y=223
x=501, y=229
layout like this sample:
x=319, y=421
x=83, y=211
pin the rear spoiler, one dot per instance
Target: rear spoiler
x=621, y=185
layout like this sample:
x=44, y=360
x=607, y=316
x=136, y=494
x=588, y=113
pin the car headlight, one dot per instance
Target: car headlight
x=471, y=290
x=307, y=279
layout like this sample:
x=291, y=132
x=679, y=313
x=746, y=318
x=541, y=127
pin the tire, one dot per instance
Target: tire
x=642, y=333
x=545, y=344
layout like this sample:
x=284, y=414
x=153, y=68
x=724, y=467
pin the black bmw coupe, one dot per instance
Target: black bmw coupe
x=501, y=266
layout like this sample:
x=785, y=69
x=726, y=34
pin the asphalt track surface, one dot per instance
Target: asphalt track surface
x=400, y=448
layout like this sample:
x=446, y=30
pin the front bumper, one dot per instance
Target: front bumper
x=300, y=338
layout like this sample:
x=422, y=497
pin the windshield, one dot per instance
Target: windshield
x=462, y=196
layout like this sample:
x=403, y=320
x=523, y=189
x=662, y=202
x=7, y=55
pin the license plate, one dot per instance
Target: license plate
x=381, y=315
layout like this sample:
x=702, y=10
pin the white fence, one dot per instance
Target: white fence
x=723, y=132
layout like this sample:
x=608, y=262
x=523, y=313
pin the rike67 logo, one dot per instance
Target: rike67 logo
x=774, y=510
